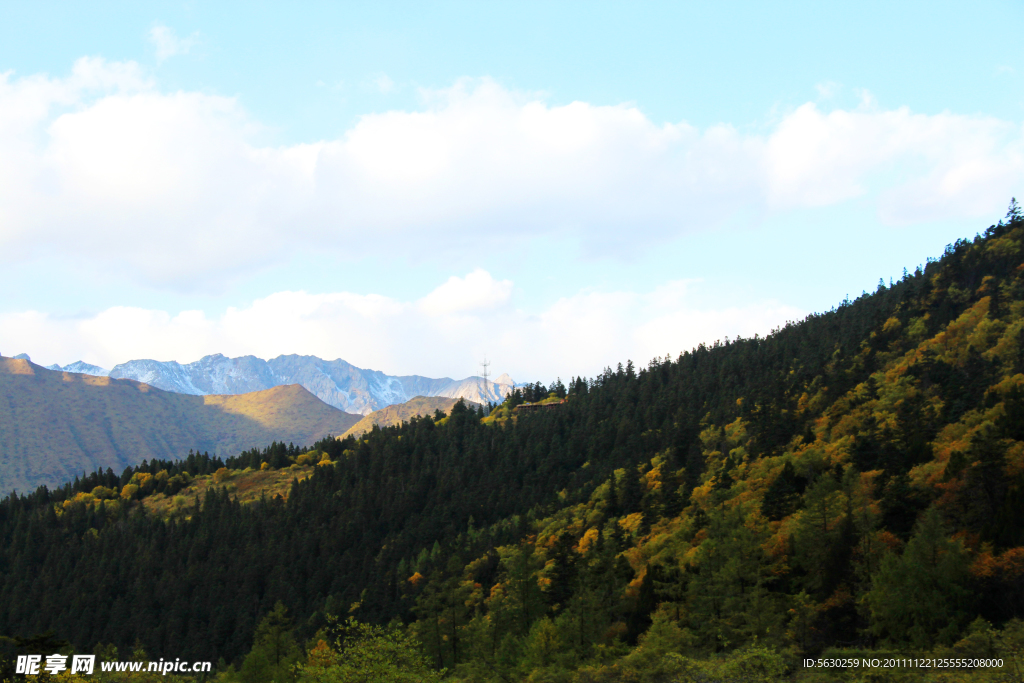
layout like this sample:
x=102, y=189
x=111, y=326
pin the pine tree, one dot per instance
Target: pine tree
x=274, y=652
x=922, y=597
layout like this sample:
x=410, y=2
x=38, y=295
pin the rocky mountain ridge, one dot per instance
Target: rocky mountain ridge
x=335, y=382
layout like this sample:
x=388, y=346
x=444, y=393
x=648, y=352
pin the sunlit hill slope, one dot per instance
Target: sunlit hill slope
x=56, y=425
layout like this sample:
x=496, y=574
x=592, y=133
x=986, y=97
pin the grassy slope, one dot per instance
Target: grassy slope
x=55, y=425
x=403, y=412
x=246, y=486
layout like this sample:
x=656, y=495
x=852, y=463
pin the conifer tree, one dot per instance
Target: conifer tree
x=922, y=597
x=274, y=652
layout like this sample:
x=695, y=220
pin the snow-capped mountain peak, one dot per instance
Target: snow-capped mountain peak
x=81, y=367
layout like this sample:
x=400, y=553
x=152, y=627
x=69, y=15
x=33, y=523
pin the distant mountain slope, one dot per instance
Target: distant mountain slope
x=476, y=390
x=335, y=382
x=403, y=412
x=55, y=425
x=79, y=366
x=83, y=368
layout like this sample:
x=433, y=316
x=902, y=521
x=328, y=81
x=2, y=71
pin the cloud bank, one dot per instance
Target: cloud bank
x=174, y=190
x=447, y=332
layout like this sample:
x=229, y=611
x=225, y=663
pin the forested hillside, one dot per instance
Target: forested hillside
x=403, y=412
x=853, y=480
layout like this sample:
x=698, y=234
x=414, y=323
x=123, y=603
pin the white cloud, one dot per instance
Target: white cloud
x=579, y=334
x=168, y=44
x=932, y=166
x=476, y=292
x=171, y=189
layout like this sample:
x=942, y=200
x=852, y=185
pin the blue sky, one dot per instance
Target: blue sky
x=410, y=186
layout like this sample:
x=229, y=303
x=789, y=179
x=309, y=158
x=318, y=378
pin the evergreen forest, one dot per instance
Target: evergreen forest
x=850, y=486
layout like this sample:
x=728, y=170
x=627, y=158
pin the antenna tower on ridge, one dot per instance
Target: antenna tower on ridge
x=487, y=390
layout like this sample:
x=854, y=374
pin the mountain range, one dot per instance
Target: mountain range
x=335, y=382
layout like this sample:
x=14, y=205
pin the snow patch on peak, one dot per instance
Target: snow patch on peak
x=477, y=390
x=79, y=366
x=166, y=375
x=84, y=368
